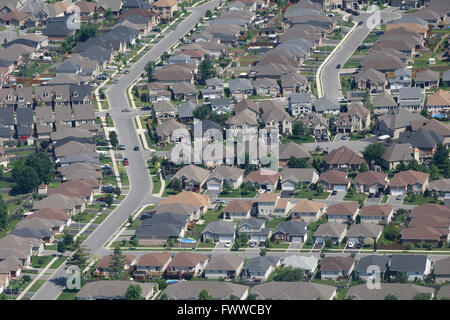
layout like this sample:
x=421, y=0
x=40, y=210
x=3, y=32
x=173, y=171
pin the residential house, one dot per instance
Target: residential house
x=358, y=233
x=343, y=158
x=102, y=268
x=184, y=91
x=292, y=177
x=275, y=117
x=426, y=141
x=371, y=79
x=370, y=266
x=227, y=266
x=151, y=264
x=84, y=114
x=333, y=231
x=292, y=149
x=371, y=182
x=263, y=178
x=308, y=210
x=442, y=270
x=334, y=268
x=219, y=290
x=190, y=210
x=397, y=153
x=258, y=269
x=240, y=88
x=192, y=178
x=438, y=102
x=220, y=231
x=292, y=83
x=357, y=118
x=441, y=187
x=185, y=111
x=163, y=111
x=408, y=181
x=166, y=9
x=162, y=227
x=210, y=94
x=220, y=105
x=334, y=180
x=300, y=103
x=266, y=203
x=221, y=175
x=255, y=230
x=392, y=123
x=383, y=103
x=71, y=205
x=378, y=214
x=187, y=265
x=238, y=209
x=275, y=290
x=307, y=263
x=343, y=212
x=403, y=291
x=167, y=130
x=188, y=197
x=243, y=122
x=316, y=123
x=427, y=79
x=325, y=105
x=266, y=87
x=291, y=231
x=414, y=265
x=113, y=290
x=411, y=99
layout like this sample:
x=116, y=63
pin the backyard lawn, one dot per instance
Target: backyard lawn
x=40, y=261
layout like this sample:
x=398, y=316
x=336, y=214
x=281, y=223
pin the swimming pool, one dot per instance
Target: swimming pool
x=439, y=116
x=187, y=240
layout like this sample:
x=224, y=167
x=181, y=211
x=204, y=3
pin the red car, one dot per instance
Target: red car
x=125, y=162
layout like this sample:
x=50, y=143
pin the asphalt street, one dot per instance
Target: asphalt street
x=140, y=181
x=330, y=75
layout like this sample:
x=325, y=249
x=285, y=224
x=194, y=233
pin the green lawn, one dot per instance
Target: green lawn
x=238, y=193
x=385, y=198
x=58, y=263
x=419, y=199
x=156, y=184
x=354, y=196
x=40, y=261
x=274, y=222
x=100, y=218
x=68, y=295
x=37, y=285
x=84, y=217
x=298, y=139
x=307, y=194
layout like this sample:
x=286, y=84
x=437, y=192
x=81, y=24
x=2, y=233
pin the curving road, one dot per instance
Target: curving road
x=140, y=181
x=330, y=76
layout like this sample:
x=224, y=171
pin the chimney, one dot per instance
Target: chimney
x=415, y=154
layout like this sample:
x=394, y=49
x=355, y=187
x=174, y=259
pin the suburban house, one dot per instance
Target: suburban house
x=300, y=103
x=426, y=141
x=277, y=290
x=189, y=197
x=292, y=149
x=219, y=290
x=334, y=180
x=291, y=231
x=343, y=212
x=438, y=102
x=240, y=88
x=162, y=227
x=186, y=265
x=113, y=290
x=330, y=231
x=103, y=266
x=334, y=268
x=307, y=263
x=412, y=99
x=442, y=270
x=359, y=232
x=255, y=230
x=266, y=203
x=396, y=121
x=343, y=158
x=151, y=264
x=191, y=177
x=238, y=209
x=227, y=266
x=371, y=182
x=259, y=268
x=378, y=214
x=383, y=103
x=308, y=210
x=427, y=79
x=163, y=111
x=403, y=291
x=263, y=178
x=397, y=153
x=441, y=187
x=316, y=123
x=367, y=267
x=291, y=177
x=221, y=175
x=414, y=265
x=408, y=181
x=219, y=231
x=356, y=119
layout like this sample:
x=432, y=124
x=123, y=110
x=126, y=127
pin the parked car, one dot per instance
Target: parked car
x=377, y=195
x=399, y=198
x=122, y=147
x=219, y=201
x=370, y=195
x=127, y=71
x=102, y=143
x=125, y=161
x=338, y=66
x=318, y=136
x=126, y=110
x=228, y=244
x=252, y=244
x=136, y=148
x=334, y=193
x=261, y=190
x=344, y=137
x=146, y=108
x=108, y=189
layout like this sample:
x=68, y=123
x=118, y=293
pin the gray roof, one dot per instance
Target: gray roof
x=192, y=172
x=24, y=115
x=185, y=110
x=439, y=185
x=190, y=290
x=399, y=118
x=325, y=104
x=303, y=262
x=410, y=93
x=253, y=223
x=31, y=233
x=57, y=201
x=220, y=227
x=302, y=97
x=261, y=264
x=213, y=82
x=332, y=229
x=402, y=291
x=398, y=152
x=292, y=149
x=176, y=207
x=442, y=267
x=240, y=85
x=84, y=112
x=384, y=100
x=275, y=290
x=446, y=76
x=298, y=174
x=422, y=138
x=159, y=230
x=111, y=289
x=7, y=115
x=444, y=293
x=367, y=230
x=225, y=262
x=373, y=260
x=410, y=263
x=293, y=228
x=427, y=75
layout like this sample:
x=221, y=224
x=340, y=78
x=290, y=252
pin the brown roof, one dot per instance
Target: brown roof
x=334, y=177
x=267, y=197
x=439, y=98
x=431, y=125
x=239, y=206
x=187, y=259
x=308, y=206
x=343, y=208
x=165, y=3
x=408, y=177
x=106, y=260
x=188, y=197
x=435, y=209
x=421, y=233
x=405, y=28
x=263, y=176
x=86, y=7
x=282, y=203
x=337, y=263
x=74, y=188
x=343, y=155
x=378, y=210
x=245, y=104
x=15, y=15
x=154, y=259
x=371, y=177
x=50, y=213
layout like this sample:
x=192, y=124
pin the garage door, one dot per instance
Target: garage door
x=447, y=195
x=225, y=239
x=214, y=187
x=319, y=240
x=339, y=188
x=373, y=190
x=297, y=239
x=397, y=192
x=287, y=187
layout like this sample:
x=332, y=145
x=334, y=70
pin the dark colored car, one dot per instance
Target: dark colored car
x=370, y=195
x=338, y=66
x=102, y=143
x=136, y=148
x=334, y=193
x=146, y=108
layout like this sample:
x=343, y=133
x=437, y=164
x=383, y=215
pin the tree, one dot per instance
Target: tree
x=206, y=71
x=262, y=252
x=441, y=160
x=26, y=178
x=299, y=129
x=289, y=274
x=252, y=296
x=297, y=162
x=134, y=292
x=373, y=152
x=391, y=297
x=109, y=199
x=68, y=241
x=61, y=247
x=43, y=165
x=113, y=138
x=208, y=13
x=401, y=277
x=363, y=167
x=117, y=265
x=204, y=295
x=3, y=213
x=117, y=191
x=202, y=112
x=422, y=296
x=150, y=70
x=328, y=243
x=391, y=232
x=79, y=258
x=163, y=296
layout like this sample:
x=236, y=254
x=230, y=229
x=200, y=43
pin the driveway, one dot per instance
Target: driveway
x=338, y=197
x=373, y=200
x=220, y=246
x=295, y=246
x=393, y=200
x=286, y=194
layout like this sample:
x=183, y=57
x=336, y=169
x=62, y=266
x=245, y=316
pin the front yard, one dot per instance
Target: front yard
x=311, y=194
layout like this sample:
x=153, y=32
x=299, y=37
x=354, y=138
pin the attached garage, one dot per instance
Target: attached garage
x=288, y=186
x=447, y=195
x=397, y=192
x=339, y=188
x=297, y=239
x=225, y=239
x=373, y=189
x=319, y=240
x=213, y=186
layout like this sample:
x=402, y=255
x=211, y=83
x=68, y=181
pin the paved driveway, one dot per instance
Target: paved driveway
x=338, y=197
x=393, y=200
x=373, y=200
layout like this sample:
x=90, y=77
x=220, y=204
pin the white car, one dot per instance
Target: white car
x=261, y=190
x=228, y=244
